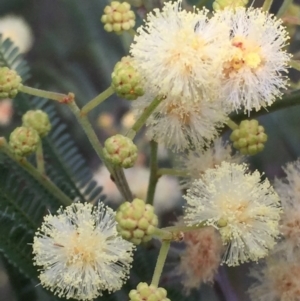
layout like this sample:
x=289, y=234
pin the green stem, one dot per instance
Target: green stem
x=295, y=64
x=231, y=124
x=122, y=184
x=160, y=262
x=289, y=100
x=97, y=100
x=153, y=179
x=117, y=174
x=132, y=32
x=284, y=7
x=172, y=172
x=143, y=118
x=42, y=179
x=267, y=5
x=42, y=93
x=40, y=159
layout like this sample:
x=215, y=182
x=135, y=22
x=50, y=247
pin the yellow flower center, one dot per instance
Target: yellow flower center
x=247, y=54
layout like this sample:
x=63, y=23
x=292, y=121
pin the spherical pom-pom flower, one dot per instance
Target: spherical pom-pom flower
x=256, y=60
x=278, y=280
x=249, y=138
x=244, y=209
x=10, y=83
x=179, y=53
x=231, y=4
x=289, y=192
x=37, y=120
x=18, y=31
x=126, y=80
x=118, y=17
x=145, y=292
x=120, y=151
x=181, y=125
x=24, y=141
x=194, y=164
x=80, y=253
x=136, y=221
x=201, y=257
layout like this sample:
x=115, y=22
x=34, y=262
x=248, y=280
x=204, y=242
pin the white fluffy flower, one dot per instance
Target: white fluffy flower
x=242, y=207
x=256, y=60
x=278, y=280
x=289, y=192
x=196, y=163
x=80, y=252
x=18, y=31
x=181, y=125
x=178, y=53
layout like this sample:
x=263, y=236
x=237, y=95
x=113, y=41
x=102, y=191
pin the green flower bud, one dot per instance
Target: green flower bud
x=118, y=17
x=24, y=141
x=232, y=4
x=249, y=138
x=136, y=221
x=145, y=292
x=10, y=83
x=126, y=80
x=37, y=120
x=120, y=151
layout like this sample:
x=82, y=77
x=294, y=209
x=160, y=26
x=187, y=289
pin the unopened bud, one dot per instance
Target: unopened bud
x=136, y=221
x=24, y=141
x=120, y=151
x=118, y=17
x=126, y=80
x=249, y=138
x=37, y=120
x=145, y=292
x=10, y=83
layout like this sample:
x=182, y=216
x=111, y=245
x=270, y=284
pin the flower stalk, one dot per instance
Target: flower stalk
x=97, y=100
x=40, y=159
x=42, y=93
x=143, y=118
x=284, y=7
x=267, y=5
x=160, y=262
x=41, y=178
x=153, y=173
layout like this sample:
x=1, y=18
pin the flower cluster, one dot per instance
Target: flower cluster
x=203, y=68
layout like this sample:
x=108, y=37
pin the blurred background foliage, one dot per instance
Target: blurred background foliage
x=72, y=52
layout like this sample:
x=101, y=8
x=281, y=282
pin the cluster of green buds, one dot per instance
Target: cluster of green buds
x=10, y=83
x=126, y=80
x=249, y=138
x=145, y=292
x=120, y=151
x=118, y=17
x=24, y=140
x=136, y=221
x=232, y=4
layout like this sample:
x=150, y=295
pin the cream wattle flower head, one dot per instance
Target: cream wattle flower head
x=253, y=71
x=243, y=208
x=289, y=191
x=178, y=53
x=80, y=252
x=277, y=280
x=181, y=125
